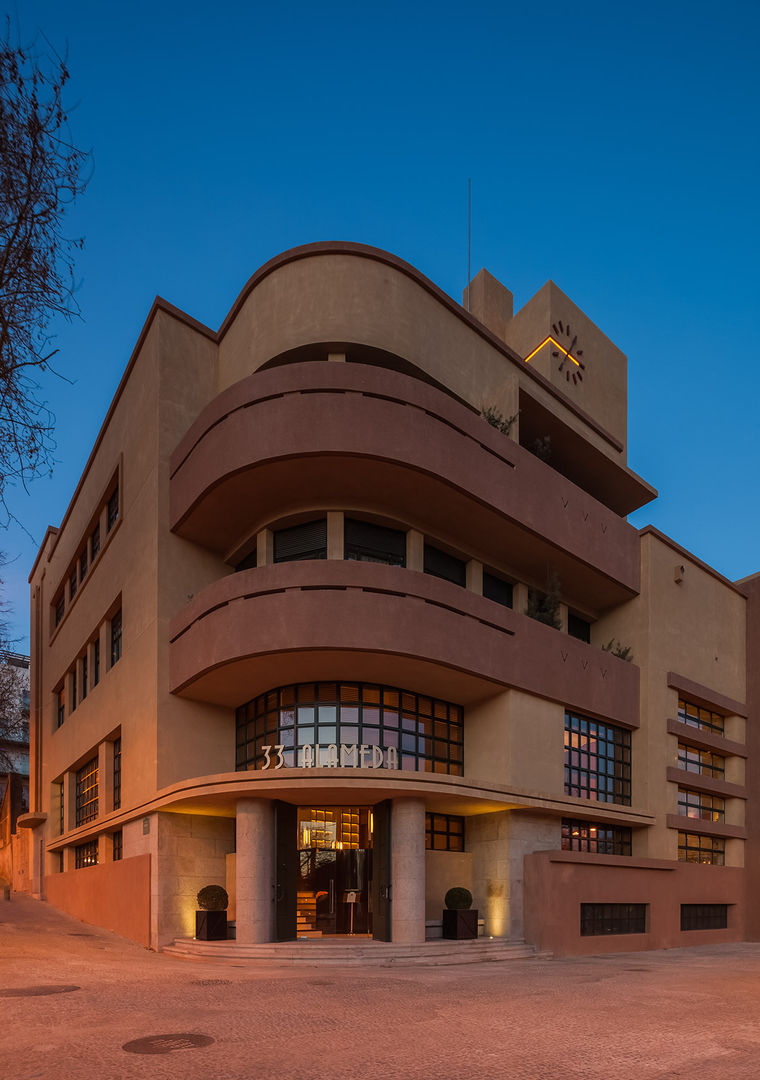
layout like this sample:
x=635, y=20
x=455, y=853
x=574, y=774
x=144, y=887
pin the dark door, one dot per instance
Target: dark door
x=286, y=869
x=381, y=872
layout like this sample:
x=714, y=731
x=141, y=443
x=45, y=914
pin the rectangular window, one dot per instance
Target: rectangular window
x=94, y=542
x=59, y=800
x=704, y=916
x=703, y=762
x=115, y=638
x=60, y=708
x=579, y=628
x=73, y=583
x=83, y=565
x=597, y=919
x=444, y=832
x=112, y=511
x=86, y=854
x=96, y=662
x=597, y=760
x=496, y=589
x=60, y=606
x=87, y=792
x=73, y=689
x=83, y=693
x=693, y=847
x=696, y=716
x=117, y=773
x=364, y=542
x=596, y=839
x=307, y=541
x=117, y=845
x=441, y=565
x=696, y=804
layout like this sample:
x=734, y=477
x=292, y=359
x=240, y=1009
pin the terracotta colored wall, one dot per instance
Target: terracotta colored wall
x=113, y=895
x=557, y=882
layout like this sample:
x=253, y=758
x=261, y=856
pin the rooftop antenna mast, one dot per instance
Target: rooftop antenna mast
x=469, y=237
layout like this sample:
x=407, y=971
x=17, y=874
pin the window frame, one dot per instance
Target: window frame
x=617, y=788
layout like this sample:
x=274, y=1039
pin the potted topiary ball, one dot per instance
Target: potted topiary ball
x=211, y=918
x=460, y=920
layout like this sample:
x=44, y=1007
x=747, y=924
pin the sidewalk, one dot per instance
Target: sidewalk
x=686, y=1013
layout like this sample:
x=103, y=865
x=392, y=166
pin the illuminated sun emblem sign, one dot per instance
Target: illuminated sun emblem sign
x=565, y=349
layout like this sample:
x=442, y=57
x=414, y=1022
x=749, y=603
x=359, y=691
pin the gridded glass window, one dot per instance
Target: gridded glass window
x=697, y=804
x=597, y=839
x=444, y=832
x=417, y=733
x=496, y=589
x=704, y=916
x=696, y=716
x=117, y=773
x=83, y=565
x=704, y=762
x=73, y=584
x=96, y=662
x=117, y=845
x=693, y=847
x=112, y=510
x=84, y=678
x=73, y=689
x=60, y=606
x=94, y=542
x=115, y=638
x=597, y=760
x=87, y=792
x=59, y=800
x=599, y=919
x=86, y=854
x=364, y=542
x=441, y=564
x=307, y=541
x=60, y=707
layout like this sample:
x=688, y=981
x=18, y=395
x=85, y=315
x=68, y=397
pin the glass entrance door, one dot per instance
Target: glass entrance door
x=334, y=871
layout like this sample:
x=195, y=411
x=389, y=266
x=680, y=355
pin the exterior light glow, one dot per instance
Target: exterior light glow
x=557, y=345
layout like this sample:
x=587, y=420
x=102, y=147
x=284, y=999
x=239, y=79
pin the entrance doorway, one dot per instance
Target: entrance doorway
x=333, y=869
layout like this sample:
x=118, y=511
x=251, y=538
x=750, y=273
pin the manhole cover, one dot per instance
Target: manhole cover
x=212, y=982
x=37, y=991
x=164, y=1044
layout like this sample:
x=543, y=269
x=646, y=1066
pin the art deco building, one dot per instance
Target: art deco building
x=312, y=624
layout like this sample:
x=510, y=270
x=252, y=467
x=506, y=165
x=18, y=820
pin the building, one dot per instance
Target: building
x=312, y=624
x=14, y=764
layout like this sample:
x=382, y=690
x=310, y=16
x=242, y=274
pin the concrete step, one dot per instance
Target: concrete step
x=333, y=951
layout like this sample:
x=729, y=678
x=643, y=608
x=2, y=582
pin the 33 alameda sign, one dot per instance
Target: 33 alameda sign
x=345, y=756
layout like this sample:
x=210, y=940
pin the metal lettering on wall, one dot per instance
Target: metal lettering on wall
x=345, y=756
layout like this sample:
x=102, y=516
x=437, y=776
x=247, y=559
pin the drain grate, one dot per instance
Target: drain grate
x=165, y=1044
x=38, y=991
x=212, y=982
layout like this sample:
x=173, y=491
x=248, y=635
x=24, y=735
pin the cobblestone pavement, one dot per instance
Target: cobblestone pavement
x=684, y=1013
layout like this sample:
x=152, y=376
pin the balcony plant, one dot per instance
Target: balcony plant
x=460, y=919
x=211, y=917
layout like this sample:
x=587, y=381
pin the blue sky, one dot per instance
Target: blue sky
x=613, y=148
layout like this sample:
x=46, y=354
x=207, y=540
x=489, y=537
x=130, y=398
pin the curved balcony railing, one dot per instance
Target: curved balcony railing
x=349, y=435
x=295, y=622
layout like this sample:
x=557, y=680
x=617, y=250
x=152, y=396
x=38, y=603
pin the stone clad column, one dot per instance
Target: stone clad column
x=254, y=867
x=408, y=870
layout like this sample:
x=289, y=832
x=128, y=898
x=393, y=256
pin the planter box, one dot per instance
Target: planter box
x=211, y=925
x=460, y=924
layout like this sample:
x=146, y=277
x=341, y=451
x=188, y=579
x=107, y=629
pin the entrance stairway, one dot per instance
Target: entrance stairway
x=306, y=915
x=344, y=951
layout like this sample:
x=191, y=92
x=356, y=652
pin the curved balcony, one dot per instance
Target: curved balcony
x=295, y=622
x=344, y=435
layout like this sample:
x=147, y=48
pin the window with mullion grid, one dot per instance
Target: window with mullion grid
x=117, y=773
x=87, y=792
x=597, y=839
x=444, y=832
x=697, y=848
x=704, y=916
x=599, y=919
x=86, y=854
x=597, y=760
x=698, y=804
x=696, y=716
x=702, y=762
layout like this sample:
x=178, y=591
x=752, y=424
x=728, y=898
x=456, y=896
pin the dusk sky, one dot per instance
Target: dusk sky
x=613, y=147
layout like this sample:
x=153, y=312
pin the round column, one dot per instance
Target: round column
x=408, y=870
x=253, y=871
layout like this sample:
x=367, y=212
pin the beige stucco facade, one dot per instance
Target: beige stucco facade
x=174, y=604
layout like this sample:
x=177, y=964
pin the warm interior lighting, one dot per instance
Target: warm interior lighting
x=561, y=348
